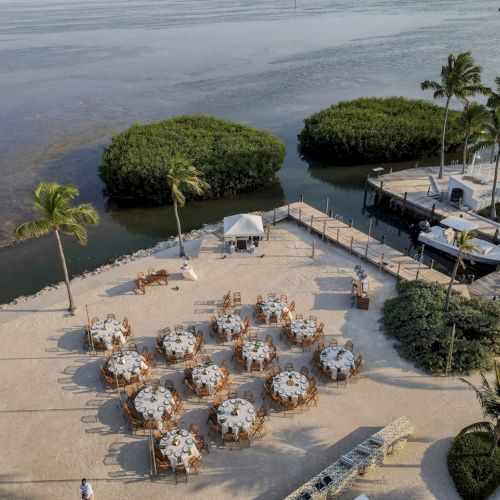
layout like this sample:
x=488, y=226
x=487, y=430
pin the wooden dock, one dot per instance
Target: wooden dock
x=356, y=242
x=487, y=287
x=412, y=188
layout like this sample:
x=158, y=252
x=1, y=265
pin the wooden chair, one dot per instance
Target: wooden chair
x=289, y=367
x=263, y=412
x=258, y=429
x=248, y=395
x=202, y=392
x=333, y=343
x=195, y=464
x=110, y=316
x=289, y=408
x=273, y=319
x=236, y=298
x=126, y=326
x=179, y=328
x=271, y=295
x=133, y=422
x=312, y=317
x=191, y=329
x=243, y=437
x=166, y=331
x=259, y=299
x=168, y=384
x=132, y=346
x=304, y=371
x=180, y=470
x=232, y=394
x=269, y=340
x=201, y=443
x=151, y=270
x=161, y=463
x=284, y=298
x=291, y=307
x=306, y=344
x=349, y=346
x=228, y=438
x=299, y=316
x=341, y=379
x=94, y=320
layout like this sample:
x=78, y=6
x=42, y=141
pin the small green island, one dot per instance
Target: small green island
x=232, y=158
x=372, y=130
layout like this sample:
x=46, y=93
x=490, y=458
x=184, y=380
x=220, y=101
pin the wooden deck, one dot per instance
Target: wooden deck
x=487, y=287
x=416, y=184
x=356, y=242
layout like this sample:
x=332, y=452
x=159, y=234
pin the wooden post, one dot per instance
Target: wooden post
x=422, y=252
x=268, y=231
x=350, y=223
x=338, y=233
x=404, y=201
x=311, y=228
x=327, y=203
x=390, y=171
x=91, y=340
x=450, y=351
x=274, y=217
x=313, y=250
x=383, y=239
x=350, y=248
x=300, y=214
x=382, y=262
x=428, y=190
x=433, y=209
x=368, y=239
x=399, y=267
x=432, y=264
x=418, y=270
x=324, y=231
x=495, y=237
x=301, y=198
x=288, y=211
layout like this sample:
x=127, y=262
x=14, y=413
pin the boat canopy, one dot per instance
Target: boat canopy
x=459, y=224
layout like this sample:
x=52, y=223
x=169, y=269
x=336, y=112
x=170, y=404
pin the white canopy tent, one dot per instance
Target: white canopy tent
x=242, y=228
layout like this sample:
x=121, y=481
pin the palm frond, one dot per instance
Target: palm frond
x=32, y=229
x=476, y=427
x=76, y=230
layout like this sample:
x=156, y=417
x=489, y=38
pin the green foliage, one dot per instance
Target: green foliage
x=372, y=129
x=417, y=319
x=231, y=157
x=474, y=472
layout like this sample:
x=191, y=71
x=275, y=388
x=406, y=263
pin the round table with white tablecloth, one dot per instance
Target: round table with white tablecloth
x=152, y=403
x=178, y=446
x=303, y=328
x=273, y=306
x=126, y=364
x=106, y=331
x=229, y=323
x=255, y=350
x=337, y=359
x=234, y=423
x=207, y=375
x=179, y=343
x=289, y=386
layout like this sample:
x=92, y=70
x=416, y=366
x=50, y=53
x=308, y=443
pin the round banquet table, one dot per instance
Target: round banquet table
x=303, y=328
x=229, y=323
x=178, y=446
x=126, y=364
x=255, y=350
x=235, y=423
x=179, y=343
x=273, y=306
x=152, y=405
x=207, y=375
x=106, y=331
x=289, y=386
x=337, y=359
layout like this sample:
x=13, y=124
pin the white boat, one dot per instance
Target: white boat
x=444, y=239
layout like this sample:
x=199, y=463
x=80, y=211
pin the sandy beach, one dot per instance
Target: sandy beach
x=59, y=424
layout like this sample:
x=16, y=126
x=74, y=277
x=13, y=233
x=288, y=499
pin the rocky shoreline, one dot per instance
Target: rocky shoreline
x=124, y=259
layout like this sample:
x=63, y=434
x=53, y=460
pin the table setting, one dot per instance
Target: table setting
x=290, y=386
x=274, y=306
x=152, y=403
x=179, y=343
x=338, y=360
x=207, y=375
x=303, y=328
x=106, y=331
x=178, y=446
x=126, y=364
x=230, y=324
x=255, y=351
x=235, y=415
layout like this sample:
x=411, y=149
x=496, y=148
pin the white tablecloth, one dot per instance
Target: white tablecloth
x=270, y=306
x=127, y=363
x=290, y=385
x=106, y=331
x=188, y=273
x=303, y=328
x=233, y=423
x=230, y=323
x=180, y=453
x=153, y=405
x=208, y=375
x=179, y=343
x=344, y=362
x=255, y=351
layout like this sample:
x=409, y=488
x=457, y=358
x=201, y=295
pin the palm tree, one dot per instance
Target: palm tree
x=472, y=122
x=491, y=138
x=183, y=177
x=494, y=99
x=460, y=78
x=489, y=399
x=465, y=246
x=53, y=203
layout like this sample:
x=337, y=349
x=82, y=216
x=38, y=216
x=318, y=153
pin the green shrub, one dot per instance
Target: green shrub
x=474, y=472
x=372, y=129
x=232, y=157
x=416, y=318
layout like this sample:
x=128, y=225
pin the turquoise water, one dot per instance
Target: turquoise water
x=73, y=73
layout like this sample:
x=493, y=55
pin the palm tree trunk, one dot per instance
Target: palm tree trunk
x=182, y=253
x=450, y=286
x=496, y=437
x=443, y=136
x=493, y=213
x=465, y=155
x=72, y=306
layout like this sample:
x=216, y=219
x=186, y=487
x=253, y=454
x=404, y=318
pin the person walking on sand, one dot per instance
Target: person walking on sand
x=86, y=490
